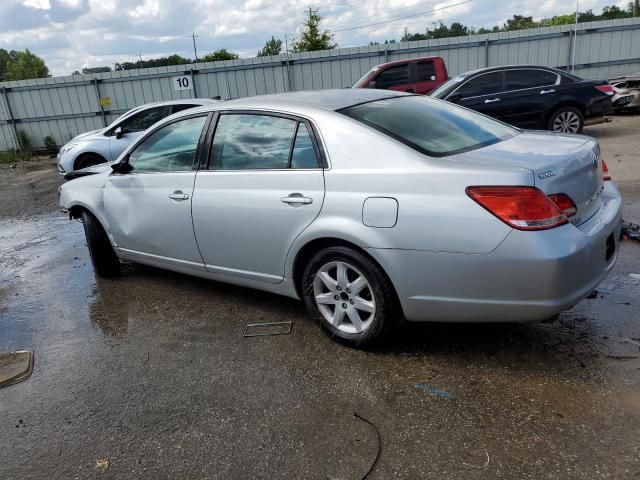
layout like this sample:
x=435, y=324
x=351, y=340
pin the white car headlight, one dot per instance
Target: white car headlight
x=67, y=147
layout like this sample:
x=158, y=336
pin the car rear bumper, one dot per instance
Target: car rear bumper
x=529, y=276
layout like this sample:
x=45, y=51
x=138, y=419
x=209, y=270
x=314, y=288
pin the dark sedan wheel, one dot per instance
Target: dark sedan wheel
x=566, y=120
x=350, y=295
x=104, y=259
x=88, y=161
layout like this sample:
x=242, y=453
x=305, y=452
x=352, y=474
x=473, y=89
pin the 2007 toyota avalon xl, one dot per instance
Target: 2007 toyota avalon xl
x=371, y=206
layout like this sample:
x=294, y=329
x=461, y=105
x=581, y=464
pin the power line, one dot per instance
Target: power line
x=386, y=12
x=402, y=18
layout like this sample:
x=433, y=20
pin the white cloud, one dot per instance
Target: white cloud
x=71, y=34
x=39, y=4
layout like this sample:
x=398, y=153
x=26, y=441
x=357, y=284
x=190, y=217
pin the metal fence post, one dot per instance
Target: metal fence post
x=99, y=95
x=486, y=53
x=193, y=83
x=571, y=34
x=11, y=120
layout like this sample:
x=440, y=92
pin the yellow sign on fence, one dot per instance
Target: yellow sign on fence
x=105, y=101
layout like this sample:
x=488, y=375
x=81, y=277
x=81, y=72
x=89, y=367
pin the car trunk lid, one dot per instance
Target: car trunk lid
x=560, y=163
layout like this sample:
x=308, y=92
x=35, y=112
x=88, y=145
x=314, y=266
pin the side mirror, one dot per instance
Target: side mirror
x=119, y=133
x=121, y=168
x=372, y=84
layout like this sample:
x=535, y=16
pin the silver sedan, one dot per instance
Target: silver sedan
x=370, y=206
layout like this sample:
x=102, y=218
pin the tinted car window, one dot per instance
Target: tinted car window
x=521, y=79
x=246, y=141
x=179, y=108
x=485, y=84
x=430, y=126
x=169, y=149
x=393, y=76
x=426, y=70
x=304, y=155
x=144, y=119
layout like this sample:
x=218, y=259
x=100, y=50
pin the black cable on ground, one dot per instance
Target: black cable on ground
x=375, y=460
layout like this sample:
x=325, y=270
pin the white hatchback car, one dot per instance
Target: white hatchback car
x=106, y=144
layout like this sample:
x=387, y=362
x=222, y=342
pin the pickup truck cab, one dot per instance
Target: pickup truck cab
x=417, y=75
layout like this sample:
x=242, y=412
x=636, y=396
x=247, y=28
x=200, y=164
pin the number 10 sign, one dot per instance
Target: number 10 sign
x=182, y=83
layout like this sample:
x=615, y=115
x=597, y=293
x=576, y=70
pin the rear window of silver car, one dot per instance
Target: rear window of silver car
x=429, y=126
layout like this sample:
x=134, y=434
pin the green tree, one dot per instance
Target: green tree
x=96, y=70
x=153, y=62
x=271, y=47
x=4, y=60
x=23, y=65
x=220, y=54
x=519, y=22
x=311, y=38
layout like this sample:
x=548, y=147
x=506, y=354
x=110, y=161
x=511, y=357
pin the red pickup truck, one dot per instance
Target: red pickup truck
x=417, y=75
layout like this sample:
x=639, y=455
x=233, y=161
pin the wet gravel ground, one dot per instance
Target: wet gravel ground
x=149, y=376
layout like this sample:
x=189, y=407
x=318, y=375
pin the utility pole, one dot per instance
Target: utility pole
x=286, y=44
x=575, y=38
x=195, y=51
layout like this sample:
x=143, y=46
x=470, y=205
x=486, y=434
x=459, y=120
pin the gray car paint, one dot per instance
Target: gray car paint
x=447, y=257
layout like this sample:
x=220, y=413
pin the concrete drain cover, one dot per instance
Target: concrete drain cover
x=15, y=367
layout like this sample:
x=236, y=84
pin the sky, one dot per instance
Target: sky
x=72, y=34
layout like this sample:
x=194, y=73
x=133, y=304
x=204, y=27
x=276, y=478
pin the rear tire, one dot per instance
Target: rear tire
x=104, y=259
x=566, y=120
x=88, y=160
x=350, y=296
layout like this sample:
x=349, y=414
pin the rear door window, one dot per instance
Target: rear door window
x=426, y=71
x=144, y=119
x=393, y=77
x=532, y=78
x=485, y=84
x=255, y=142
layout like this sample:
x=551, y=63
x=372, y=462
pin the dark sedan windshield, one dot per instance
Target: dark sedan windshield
x=430, y=126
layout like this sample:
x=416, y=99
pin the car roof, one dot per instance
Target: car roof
x=335, y=99
x=508, y=67
x=407, y=60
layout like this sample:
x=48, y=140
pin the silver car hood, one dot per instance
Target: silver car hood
x=93, y=170
x=83, y=136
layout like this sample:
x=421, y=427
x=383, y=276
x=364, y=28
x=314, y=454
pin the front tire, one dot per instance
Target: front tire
x=104, y=259
x=566, y=120
x=350, y=295
x=88, y=160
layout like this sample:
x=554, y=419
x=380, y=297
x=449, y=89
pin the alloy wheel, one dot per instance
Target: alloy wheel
x=566, y=122
x=344, y=297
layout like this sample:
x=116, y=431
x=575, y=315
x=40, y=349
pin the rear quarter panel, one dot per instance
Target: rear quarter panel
x=434, y=212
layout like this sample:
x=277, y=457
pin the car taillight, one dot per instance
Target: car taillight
x=605, y=89
x=523, y=208
x=564, y=203
x=605, y=171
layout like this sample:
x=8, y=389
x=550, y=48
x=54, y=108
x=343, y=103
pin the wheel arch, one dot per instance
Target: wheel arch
x=309, y=249
x=563, y=104
x=84, y=155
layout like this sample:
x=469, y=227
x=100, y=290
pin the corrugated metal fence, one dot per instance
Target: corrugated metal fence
x=62, y=107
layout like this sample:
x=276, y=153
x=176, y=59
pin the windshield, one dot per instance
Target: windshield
x=363, y=78
x=447, y=87
x=432, y=127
